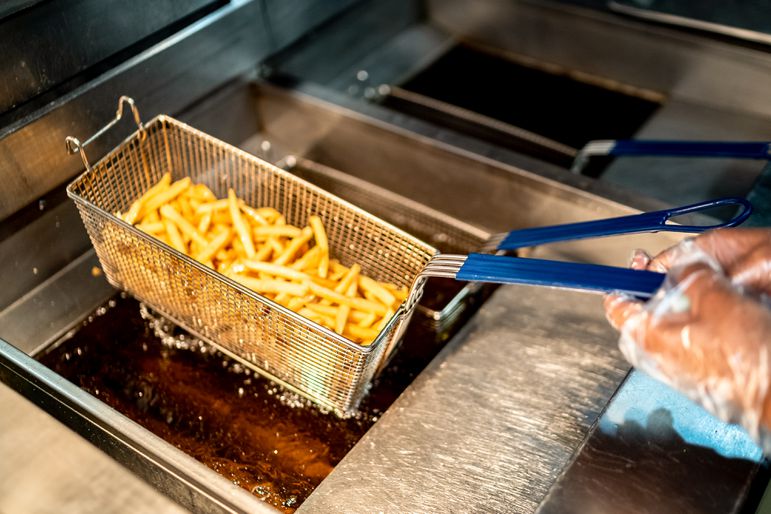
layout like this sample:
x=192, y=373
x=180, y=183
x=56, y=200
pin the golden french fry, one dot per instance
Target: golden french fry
x=376, y=290
x=275, y=270
x=168, y=212
x=214, y=246
x=175, y=238
x=308, y=260
x=321, y=241
x=205, y=223
x=184, y=207
x=242, y=228
x=342, y=315
x=350, y=278
x=368, y=320
x=132, y=216
x=164, y=196
x=383, y=322
x=294, y=246
x=357, y=303
x=151, y=228
x=217, y=205
x=276, y=230
x=253, y=214
x=296, y=303
x=152, y=217
x=202, y=193
x=271, y=286
x=268, y=213
x=365, y=335
x=263, y=253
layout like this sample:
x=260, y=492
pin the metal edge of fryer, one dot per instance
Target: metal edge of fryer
x=168, y=469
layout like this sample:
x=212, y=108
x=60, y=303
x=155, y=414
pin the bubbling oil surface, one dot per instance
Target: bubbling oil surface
x=251, y=431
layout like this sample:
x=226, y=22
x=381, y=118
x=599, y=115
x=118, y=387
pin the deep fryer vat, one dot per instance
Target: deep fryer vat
x=296, y=352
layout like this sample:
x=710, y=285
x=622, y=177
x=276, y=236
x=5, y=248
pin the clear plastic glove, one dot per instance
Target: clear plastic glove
x=707, y=332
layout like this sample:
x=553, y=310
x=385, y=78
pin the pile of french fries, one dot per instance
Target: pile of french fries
x=257, y=248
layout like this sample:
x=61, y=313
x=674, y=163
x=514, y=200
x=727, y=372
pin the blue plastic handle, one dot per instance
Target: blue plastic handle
x=647, y=222
x=739, y=150
x=502, y=269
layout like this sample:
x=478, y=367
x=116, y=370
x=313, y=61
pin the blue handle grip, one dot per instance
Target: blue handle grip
x=739, y=150
x=571, y=275
x=647, y=222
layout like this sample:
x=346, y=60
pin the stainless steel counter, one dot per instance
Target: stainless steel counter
x=47, y=468
x=490, y=425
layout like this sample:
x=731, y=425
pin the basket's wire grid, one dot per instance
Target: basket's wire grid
x=447, y=234
x=297, y=353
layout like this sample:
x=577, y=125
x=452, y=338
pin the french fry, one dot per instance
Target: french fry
x=377, y=291
x=133, y=213
x=357, y=303
x=151, y=228
x=214, y=246
x=242, y=229
x=165, y=196
x=175, y=238
x=308, y=259
x=342, y=314
x=205, y=223
x=292, y=248
x=276, y=270
x=365, y=335
x=367, y=320
x=168, y=212
x=276, y=230
x=217, y=205
x=271, y=286
x=349, y=278
x=321, y=241
x=253, y=214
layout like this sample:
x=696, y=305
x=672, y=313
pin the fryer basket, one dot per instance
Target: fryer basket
x=274, y=341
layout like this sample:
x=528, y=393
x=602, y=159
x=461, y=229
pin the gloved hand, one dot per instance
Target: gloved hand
x=707, y=332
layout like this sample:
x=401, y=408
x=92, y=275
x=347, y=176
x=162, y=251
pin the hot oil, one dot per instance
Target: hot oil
x=241, y=425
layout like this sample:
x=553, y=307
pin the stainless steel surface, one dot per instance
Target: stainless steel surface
x=179, y=476
x=306, y=357
x=288, y=20
x=166, y=77
x=510, y=131
x=46, y=468
x=620, y=50
x=490, y=424
x=352, y=38
x=88, y=34
x=675, y=457
x=691, y=23
x=33, y=250
x=41, y=316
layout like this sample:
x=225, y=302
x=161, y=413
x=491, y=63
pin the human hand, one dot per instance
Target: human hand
x=707, y=332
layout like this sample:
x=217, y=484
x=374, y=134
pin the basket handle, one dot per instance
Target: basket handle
x=74, y=145
x=654, y=221
x=502, y=269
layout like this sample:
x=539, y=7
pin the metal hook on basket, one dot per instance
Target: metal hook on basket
x=74, y=145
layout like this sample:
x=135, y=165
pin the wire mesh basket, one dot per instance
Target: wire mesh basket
x=310, y=359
